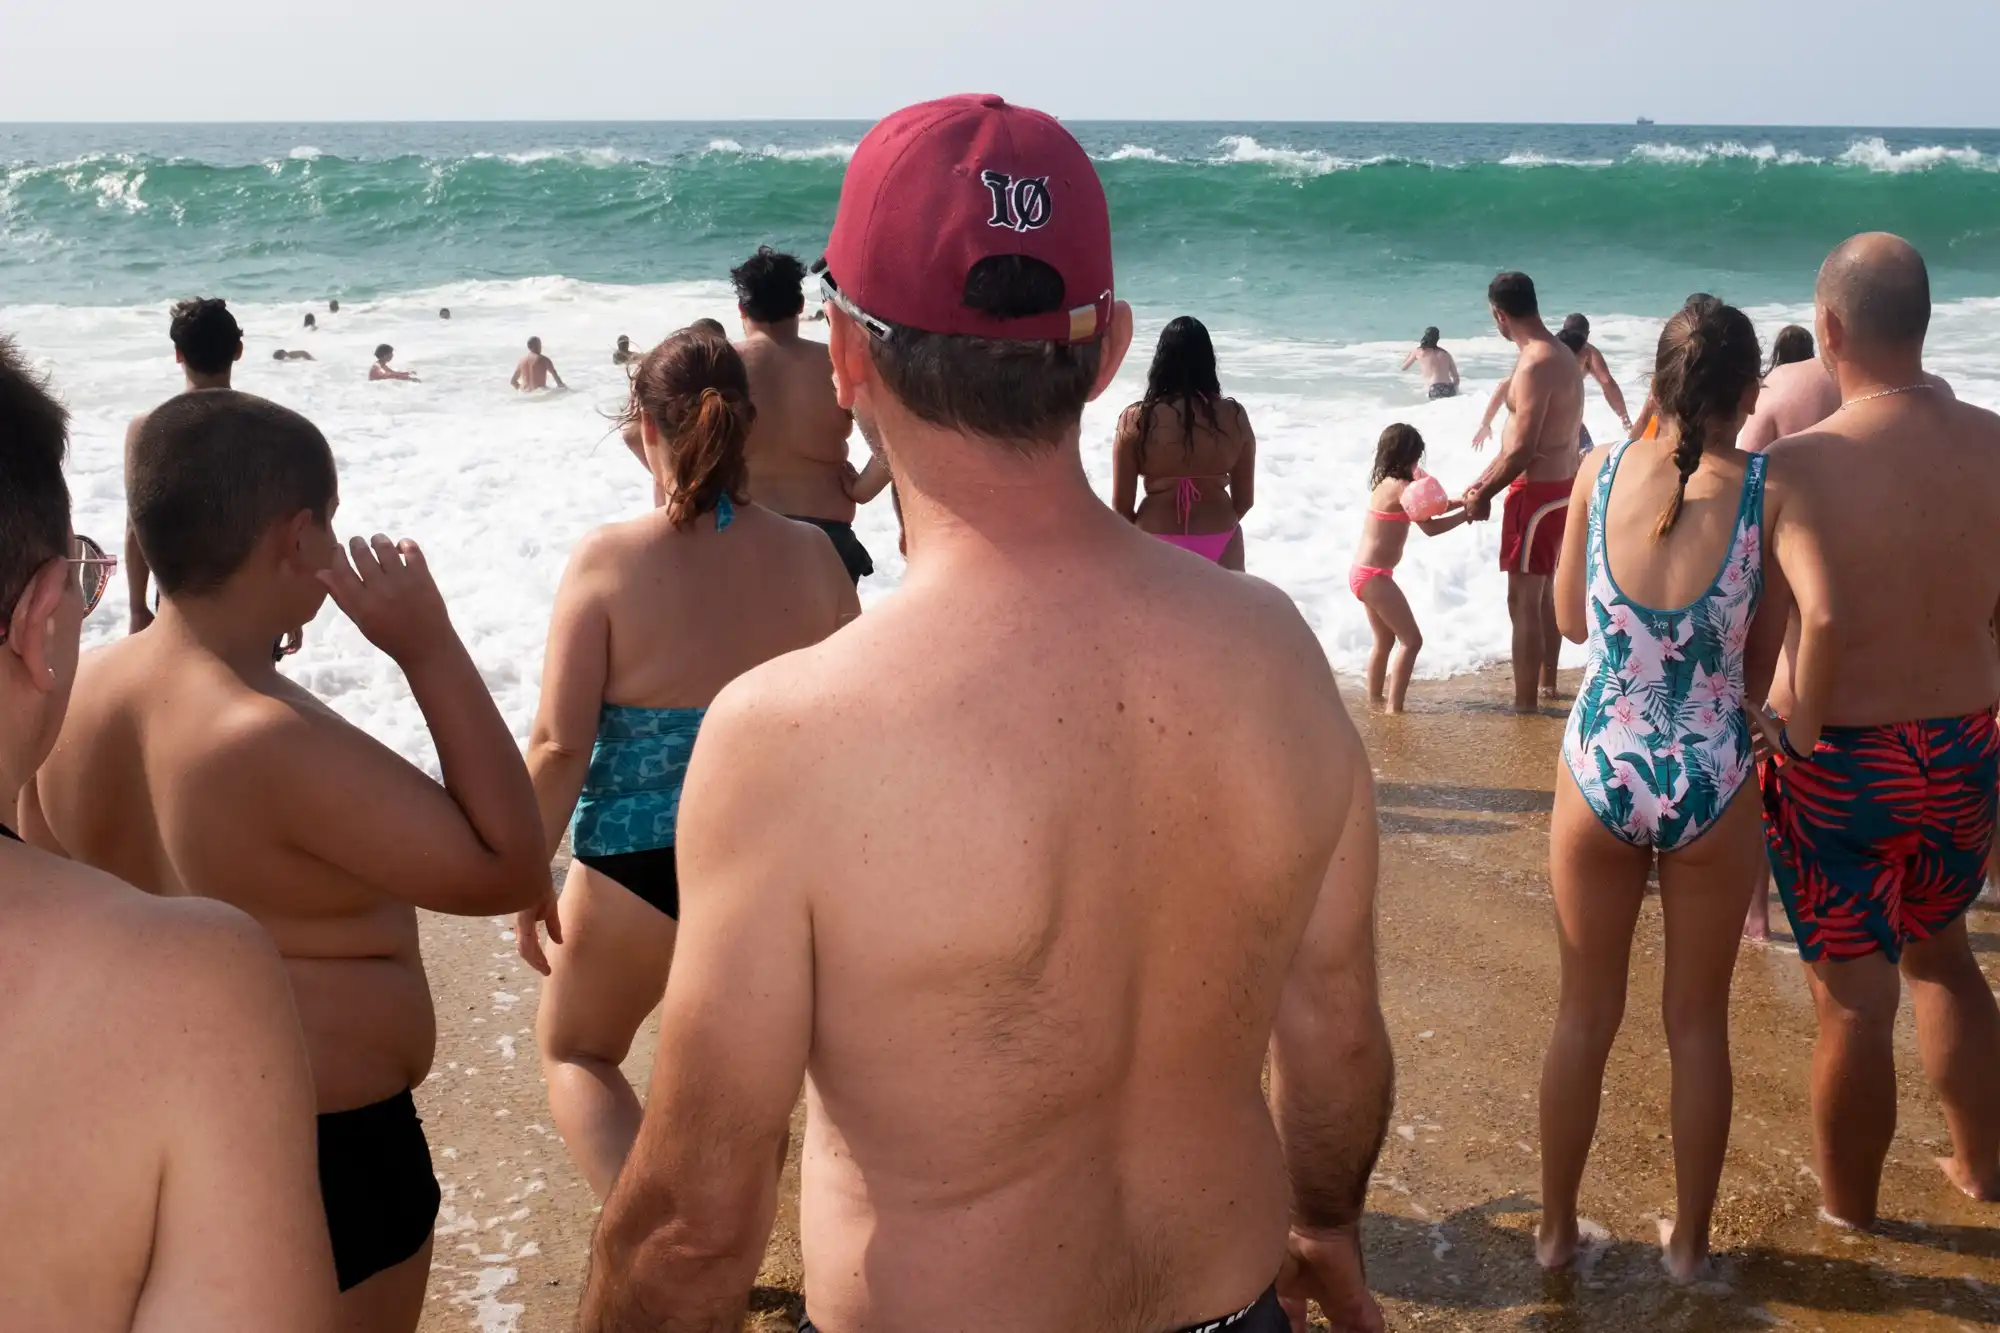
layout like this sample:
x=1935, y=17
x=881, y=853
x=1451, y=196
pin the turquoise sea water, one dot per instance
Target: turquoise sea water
x=1347, y=231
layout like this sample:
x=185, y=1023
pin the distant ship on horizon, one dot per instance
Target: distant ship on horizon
x=1645, y=120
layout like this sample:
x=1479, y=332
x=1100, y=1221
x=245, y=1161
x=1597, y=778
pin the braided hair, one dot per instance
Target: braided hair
x=1708, y=359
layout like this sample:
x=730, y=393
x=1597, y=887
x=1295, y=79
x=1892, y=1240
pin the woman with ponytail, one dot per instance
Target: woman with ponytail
x=654, y=617
x=1657, y=761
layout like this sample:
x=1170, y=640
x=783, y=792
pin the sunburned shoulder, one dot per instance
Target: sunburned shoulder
x=128, y=942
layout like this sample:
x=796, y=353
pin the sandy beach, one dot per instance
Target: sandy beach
x=1469, y=972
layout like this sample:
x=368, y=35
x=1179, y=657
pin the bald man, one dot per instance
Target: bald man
x=1878, y=823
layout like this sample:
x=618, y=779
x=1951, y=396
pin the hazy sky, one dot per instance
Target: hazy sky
x=1842, y=62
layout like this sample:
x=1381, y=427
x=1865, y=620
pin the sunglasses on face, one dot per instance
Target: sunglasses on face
x=832, y=294
x=93, y=570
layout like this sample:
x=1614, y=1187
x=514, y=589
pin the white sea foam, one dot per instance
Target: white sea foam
x=498, y=487
x=826, y=152
x=306, y=153
x=1534, y=159
x=1763, y=154
x=1878, y=156
x=1133, y=152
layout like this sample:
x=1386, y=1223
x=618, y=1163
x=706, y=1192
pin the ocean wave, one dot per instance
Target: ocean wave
x=1764, y=155
x=826, y=152
x=1534, y=159
x=1876, y=155
x=1133, y=152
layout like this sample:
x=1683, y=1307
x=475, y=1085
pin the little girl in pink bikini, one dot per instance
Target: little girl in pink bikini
x=1397, y=482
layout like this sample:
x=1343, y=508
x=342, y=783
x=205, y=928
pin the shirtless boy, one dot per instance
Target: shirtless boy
x=142, y=1188
x=533, y=372
x=1536, y=467
x=191, y=767
x=1878, y=837
x=1028, y=963
x=798, y=448
x=207, y=345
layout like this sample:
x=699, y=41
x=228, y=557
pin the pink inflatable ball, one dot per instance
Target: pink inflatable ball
x=1424, y=498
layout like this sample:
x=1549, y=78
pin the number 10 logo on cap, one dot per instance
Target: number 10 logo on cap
x=1018, y=205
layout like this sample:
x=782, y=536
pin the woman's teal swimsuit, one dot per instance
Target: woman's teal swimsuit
x=630, y=807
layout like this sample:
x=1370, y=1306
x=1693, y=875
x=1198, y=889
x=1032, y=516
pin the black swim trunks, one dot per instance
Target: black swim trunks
x=650, y=876
x=376, y=1182
x=1444, y=391
x=852, y=553
x=1263, y=1315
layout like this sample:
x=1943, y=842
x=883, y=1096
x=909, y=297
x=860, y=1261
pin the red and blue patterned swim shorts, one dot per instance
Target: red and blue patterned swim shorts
x=1880, y=838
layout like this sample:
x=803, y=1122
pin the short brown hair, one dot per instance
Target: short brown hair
x=211, y=471
x=34, y=498
x=1025, y=393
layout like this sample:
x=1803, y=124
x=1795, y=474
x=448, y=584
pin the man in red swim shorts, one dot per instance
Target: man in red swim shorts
x=1879, y=825
x=1536, y=467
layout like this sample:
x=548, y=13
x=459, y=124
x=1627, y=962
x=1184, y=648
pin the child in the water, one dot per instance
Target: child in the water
x=1384, y=532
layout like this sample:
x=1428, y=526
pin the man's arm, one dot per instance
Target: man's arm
x=871, y=482
x=239, y=1236
x=684, y=1230
x=514, y=380
x=137, y=571
x=554, y=374
x=1517, y=446
x=1493, y=406
x=1615, y=396
x=471, y=847
x=1411, y=359
x=1797, y=548
x=1332, y=1073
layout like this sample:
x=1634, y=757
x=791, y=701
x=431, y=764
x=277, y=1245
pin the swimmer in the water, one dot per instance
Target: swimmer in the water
x=282, y=355
x=381, y=371
x=312, y=325
x=534, y=371
x=623, y=355
x=1440, y=370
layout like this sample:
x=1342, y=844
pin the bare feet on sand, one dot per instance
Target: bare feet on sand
x=1685, y=1264
x=1970, y=1185
x=1556, y=1246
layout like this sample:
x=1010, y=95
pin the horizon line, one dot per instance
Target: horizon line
x=1076, y=120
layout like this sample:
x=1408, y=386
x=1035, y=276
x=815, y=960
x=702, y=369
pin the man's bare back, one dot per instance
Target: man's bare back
x=798, y=445
x=1796, y=398
x=533, y=372
x=1904, y=488
x=157, y=1173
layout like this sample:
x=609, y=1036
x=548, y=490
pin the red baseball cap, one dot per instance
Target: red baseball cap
x=938, y=187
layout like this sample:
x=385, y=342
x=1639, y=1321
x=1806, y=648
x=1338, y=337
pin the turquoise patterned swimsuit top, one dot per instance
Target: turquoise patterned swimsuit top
x=631, y=798
x=1658, y=742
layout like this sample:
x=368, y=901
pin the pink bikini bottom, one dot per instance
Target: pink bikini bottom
x=1207, y=545
x=1359, y=575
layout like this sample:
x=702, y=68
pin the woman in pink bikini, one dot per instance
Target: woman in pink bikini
x=1384, y=533
x=1193, y=449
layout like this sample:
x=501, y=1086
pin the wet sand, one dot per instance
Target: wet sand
x=1469, y=974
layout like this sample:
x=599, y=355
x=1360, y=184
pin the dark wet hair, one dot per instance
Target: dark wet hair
x=1707, y=359
x=206, y=335
x=311, y=322
x=1791, y=345
x=770, y=286
x=1513, y=295
x=384, y=352
x=1701, y=302
x=1397, y=454
x=712, y=327
x=1577, y=324
x=534, y=344
x=334, y=304
x=211, y=472
x=34, y=498
x=278, y=355
x=624, y=341
x=1182, y=375
x=444, y=312
x=1027, y=394
x=1430, y=338
x=697, y=392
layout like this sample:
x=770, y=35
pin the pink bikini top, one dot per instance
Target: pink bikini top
x=1391, y=515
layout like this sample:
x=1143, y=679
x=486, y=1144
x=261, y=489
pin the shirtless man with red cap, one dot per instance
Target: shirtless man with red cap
x=1024, y=871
